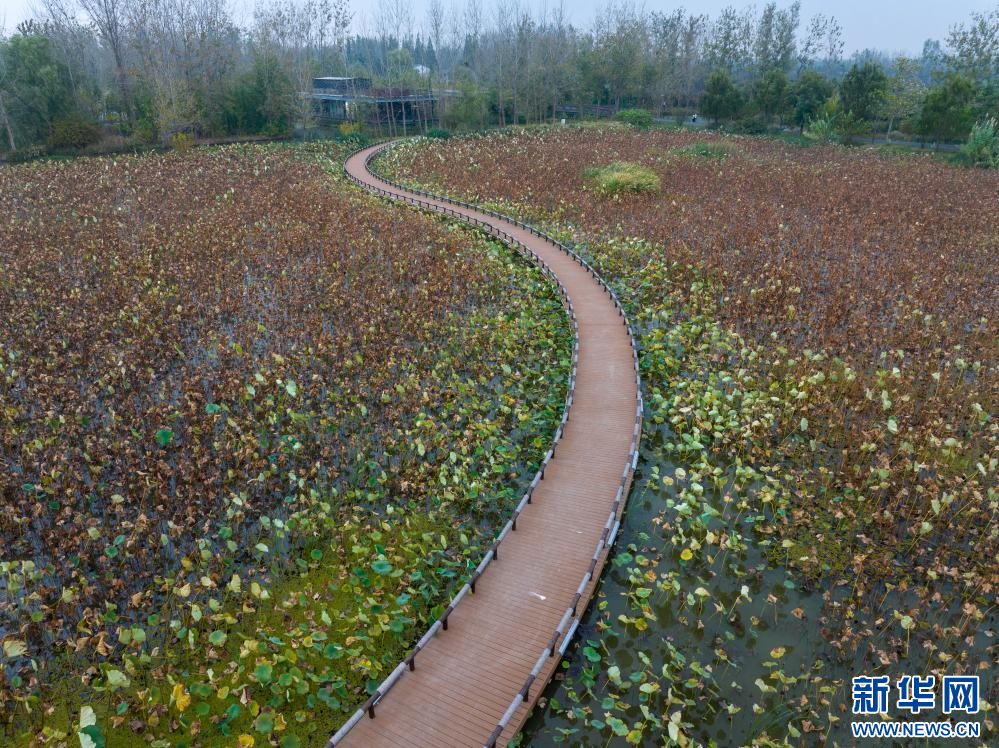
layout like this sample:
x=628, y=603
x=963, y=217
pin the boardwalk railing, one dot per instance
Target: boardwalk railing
x=570, y=619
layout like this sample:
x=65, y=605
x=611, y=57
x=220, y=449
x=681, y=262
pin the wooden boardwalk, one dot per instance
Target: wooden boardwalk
x=467, y=685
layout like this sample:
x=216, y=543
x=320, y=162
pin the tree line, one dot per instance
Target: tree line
x=151, y=71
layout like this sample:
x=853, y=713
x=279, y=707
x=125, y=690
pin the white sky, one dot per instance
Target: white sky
x=890, y=25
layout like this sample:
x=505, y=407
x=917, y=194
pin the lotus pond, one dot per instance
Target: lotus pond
x=255, y=428
x=816, y=497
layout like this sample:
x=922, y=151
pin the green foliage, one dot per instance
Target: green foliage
x=467, y=111
x=721, y=99
x=706, y=149
x=987, y=100
x=809, y=95
x=772, y=95
x=260, y=100
x=37, y=88
x=863, y=90
x=848, y=127
x=822, y=129
x=835, y=127
x=145, y=131
x=72, y=133
x=623, y=177
x=974, y=49
x=439, y=133
x=982, y=146
x=948, y=112
x=640, y=119
x=181, y=141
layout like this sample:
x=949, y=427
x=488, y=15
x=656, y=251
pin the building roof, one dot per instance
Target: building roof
x=374, y=97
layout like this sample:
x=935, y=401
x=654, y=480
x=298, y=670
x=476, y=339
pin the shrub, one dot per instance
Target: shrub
x=145, y=131
x=181, y=141
x=640, y=119
x=705, y=150
x=822, y=129
x=26, y=153
x=849, y=127
x=438, y=132
x=72, y=133
x=982, y=147
x=749, y=126
x=108, y=144
x=623, y=176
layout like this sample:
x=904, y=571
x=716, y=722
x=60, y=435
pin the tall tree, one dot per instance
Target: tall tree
x=721, y=99
x=823, y=41
x=948, y=111
x=973, y=49
x=35, y=87
x=904, y=93
x=771, y=94
x=730, y=40
x=809, y=95
x=863, y=90
x=109, y=16
x=774, y=45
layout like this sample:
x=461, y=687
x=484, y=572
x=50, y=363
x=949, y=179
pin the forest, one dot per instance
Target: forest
x=103, y=75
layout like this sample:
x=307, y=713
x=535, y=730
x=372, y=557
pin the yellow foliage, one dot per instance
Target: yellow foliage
x=180, y=697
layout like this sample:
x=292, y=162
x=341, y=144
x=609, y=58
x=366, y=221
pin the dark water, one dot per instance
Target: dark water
x=724, y=657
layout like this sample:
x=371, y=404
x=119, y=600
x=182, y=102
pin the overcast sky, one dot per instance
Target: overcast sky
x=890, y=25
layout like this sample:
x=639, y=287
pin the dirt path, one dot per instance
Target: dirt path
x=478, y=672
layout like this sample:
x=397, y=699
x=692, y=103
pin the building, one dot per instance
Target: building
x=343, y=99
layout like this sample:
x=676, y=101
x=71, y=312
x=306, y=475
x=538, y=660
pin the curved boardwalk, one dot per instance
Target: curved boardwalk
x=467, y=677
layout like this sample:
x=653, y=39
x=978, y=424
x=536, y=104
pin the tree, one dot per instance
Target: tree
x=730, y=41
x=109, y=17
x=620, y=53
x=809, y=95
x=974, y=49
x=774, y=44
x=721, y=99
x=676, y=41
x=904, y=93
x=863, y=90
x=823, y=41
x=987, y=100
x=948, y=112
x=259, y=99
x=34, y=87
x=771, y=94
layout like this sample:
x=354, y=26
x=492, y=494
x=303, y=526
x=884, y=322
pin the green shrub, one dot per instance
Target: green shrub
x=822, y=129
x=705, y=150
x=26, y=153
x=749, y=126
x=640, y=119
x=181, y=141
x=982, y=147
x=622, y=176
x=145, y=131
x=849, y=127
x=438, y=132
x=72, y=133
